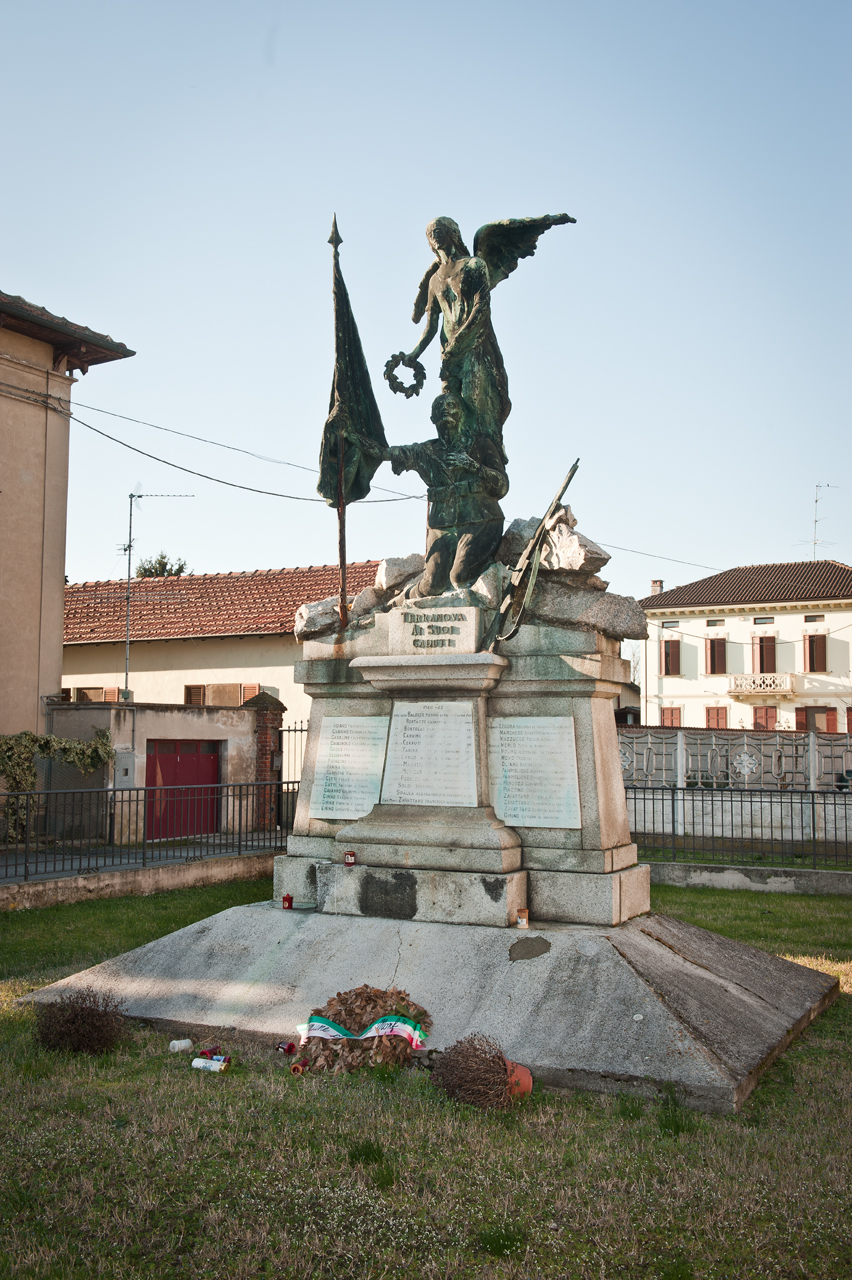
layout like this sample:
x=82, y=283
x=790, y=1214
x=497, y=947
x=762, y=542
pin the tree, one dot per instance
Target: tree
x=160, y=567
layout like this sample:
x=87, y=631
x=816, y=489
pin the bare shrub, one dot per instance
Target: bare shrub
x=474, y=1070
x=84, y=1021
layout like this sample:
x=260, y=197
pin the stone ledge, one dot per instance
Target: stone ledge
x=456, y=672
x=759, y=879
x=580, y=897
x=443, y=897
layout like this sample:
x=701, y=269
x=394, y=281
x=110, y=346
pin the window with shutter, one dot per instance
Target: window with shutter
x=765, y=717
x=715, y=653
x=849, y=719
x=193, y=695
x=801, y=718
x=65, y=695
x=817, y=653
x=717, y=717
x=767, y=654
x=111, y=694
x=90, y=695
x=250, y=691
x=831, y=719
x=669, y=657
x=670, y=717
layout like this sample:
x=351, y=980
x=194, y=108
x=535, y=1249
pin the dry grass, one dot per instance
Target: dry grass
x=133, y=1165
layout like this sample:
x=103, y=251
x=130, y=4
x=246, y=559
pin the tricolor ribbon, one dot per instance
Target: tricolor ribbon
x=390, y=1025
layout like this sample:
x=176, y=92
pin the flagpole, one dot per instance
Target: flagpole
x=343, y=608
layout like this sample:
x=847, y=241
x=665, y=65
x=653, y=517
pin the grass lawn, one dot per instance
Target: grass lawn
x=134, y=1165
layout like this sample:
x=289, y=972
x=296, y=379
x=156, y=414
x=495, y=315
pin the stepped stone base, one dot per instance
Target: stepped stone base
x=448, y=897
x=630, y=1009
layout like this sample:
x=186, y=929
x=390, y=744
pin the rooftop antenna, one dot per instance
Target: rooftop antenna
x=128, y=548
x=818, y=541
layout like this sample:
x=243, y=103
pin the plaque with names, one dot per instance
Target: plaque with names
x=350, y=758
x=532, y=767
x=431, y=754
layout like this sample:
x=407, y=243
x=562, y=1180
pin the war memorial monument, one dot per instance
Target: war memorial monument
x=461, y=773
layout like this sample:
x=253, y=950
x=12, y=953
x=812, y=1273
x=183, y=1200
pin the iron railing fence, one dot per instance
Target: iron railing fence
x=754, y=828
x=293, y=740
x=718, y=759
x=54, y=833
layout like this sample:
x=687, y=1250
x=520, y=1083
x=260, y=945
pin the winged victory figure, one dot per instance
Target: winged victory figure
x=457, y=290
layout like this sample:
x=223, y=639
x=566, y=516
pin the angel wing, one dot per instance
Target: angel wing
x=501, y=245
x=423, y=294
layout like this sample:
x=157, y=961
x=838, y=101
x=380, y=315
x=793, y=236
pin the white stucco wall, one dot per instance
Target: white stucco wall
x=694, y=690
x=159, y=669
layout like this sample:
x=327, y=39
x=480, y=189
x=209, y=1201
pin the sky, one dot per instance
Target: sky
x=171, y=174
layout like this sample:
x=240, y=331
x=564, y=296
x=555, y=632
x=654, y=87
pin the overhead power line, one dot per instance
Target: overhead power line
x=269, y=493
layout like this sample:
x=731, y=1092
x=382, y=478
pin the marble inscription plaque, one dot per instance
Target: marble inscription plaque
x=450, y=629
x=431, y=754
x=532, y=767
x=350, y=757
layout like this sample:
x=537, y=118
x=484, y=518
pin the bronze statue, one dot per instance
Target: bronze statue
x=456, y=290
x=465, y=468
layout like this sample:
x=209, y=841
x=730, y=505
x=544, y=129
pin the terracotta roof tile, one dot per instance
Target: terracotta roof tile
x=262, y=602
x=82, y=345
x=762, y=584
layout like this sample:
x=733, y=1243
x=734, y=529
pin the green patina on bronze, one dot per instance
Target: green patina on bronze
x=465, y=467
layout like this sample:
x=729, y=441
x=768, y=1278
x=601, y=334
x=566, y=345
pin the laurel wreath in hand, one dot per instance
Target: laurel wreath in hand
x=393, y=381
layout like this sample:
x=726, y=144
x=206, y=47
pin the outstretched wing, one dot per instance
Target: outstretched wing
x=501, y=245
x=423, y=294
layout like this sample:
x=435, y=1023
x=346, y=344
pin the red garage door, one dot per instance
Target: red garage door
x=182, y=799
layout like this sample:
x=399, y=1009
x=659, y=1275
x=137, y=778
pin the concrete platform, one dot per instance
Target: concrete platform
x=627, y=1009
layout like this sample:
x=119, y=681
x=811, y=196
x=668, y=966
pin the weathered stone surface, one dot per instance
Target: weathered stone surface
x=396, y=571
x=563, y=549
x=580, y=897
x=419, y=836
x=617, y=616
x=316, y=618
x=490, y=585
x=445, y=897
x=703, y=1018
x=296, y=876
x=366, y=601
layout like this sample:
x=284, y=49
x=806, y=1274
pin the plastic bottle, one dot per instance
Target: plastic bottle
x=180, y=1046
x=211, y=1064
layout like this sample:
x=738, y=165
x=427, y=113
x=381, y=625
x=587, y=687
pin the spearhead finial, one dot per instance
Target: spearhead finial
x=335, y=238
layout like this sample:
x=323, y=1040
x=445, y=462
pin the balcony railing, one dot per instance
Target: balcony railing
x=778, y=684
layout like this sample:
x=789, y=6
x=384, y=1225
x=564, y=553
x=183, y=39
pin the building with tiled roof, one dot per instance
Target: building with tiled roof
x=762, y=646
x=197, y=639
x=39, y=354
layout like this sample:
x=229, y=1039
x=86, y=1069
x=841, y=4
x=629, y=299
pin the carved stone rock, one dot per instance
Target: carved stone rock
x=617, y=616
x=563, y=550
x=398, y=570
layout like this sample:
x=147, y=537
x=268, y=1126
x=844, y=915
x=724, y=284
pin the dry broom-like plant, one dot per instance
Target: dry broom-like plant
x=84, y=1021
x=474, y=1070
x=354, y=1011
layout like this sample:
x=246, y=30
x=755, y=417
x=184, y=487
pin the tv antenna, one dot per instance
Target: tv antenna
x=818, y=520
x=128, y=547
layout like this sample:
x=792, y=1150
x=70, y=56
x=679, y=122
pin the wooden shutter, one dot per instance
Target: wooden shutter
x=849, y=719
x=715, y=653
x=755, y=655
x=819, y=654
x=767, y=655
x=111, y=695
x=807, y=662
x=801, y=717
x=250, y=691
x=831, y=720
x=669, y=657
x=670, y=717
x=717, y=717
x=193, y=695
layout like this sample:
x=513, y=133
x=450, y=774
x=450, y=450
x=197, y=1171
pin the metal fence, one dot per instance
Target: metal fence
x=789, y=829
x=717, y=760
x=54, y=833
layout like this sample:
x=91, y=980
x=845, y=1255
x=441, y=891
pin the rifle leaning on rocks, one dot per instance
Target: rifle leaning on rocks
x=514, y=603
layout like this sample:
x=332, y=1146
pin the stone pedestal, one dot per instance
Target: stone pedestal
x=462, y=785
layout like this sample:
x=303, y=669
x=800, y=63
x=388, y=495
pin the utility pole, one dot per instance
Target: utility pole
x=128, y=547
